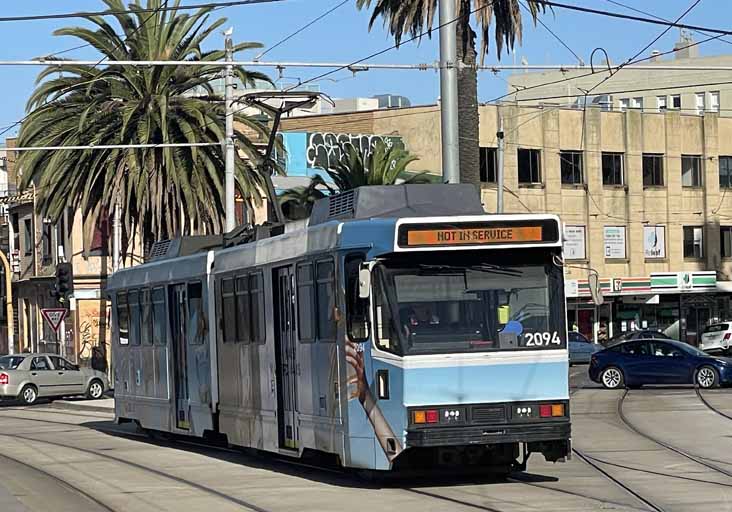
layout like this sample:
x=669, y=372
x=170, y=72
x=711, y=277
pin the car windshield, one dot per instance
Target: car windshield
x=691, y=349
x=10, y=362
x=437, y=308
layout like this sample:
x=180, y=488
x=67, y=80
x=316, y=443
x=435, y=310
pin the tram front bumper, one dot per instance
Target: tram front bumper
x=489, y=434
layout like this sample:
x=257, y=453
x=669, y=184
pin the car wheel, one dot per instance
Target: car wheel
x=96, y=390
x=706, y=377
x=28, y=395
x=612, y=378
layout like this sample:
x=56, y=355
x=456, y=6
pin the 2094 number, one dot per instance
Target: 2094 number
x=542, y=339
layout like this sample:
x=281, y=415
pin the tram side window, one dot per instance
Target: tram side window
x=133, y=299
x=228, y=308
x=326, y=300
x=305, y=302
x=243, y=317
x=159, y=320
x=123, y=319
x=196, y=316
x=147, y=323
x=256, y=290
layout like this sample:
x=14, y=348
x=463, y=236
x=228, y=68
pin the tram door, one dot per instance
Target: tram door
x=286, y=356
x=178, y=318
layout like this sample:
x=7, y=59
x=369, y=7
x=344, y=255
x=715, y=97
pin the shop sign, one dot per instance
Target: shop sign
x=684, y=281
x=574, y=243
x=654, y=242
x=571, y=288
x=617, y=285
x=615, y=242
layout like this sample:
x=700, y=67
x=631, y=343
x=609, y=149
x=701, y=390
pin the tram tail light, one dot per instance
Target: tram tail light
x=428, y=416
x=551, y=410
x=558, y=410
x=420, y=417
x=545, y=411
x=4, y=378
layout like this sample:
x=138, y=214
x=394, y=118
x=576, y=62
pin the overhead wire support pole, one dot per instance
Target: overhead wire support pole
x=448, y=93
x=500, y=136
x=229, y=181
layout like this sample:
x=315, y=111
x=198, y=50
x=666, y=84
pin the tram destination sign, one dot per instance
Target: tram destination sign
x=484, y=233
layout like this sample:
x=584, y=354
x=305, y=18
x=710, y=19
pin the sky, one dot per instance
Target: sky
x=343, y=36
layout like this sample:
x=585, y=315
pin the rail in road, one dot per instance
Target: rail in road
x=451, y=497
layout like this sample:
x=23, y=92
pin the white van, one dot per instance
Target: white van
x=717, y=338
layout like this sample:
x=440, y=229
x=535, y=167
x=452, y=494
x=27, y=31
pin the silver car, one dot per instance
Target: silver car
x=27, y=377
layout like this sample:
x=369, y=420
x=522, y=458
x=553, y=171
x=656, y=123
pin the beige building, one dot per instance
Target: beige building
x=646, y=199
x=680, y=81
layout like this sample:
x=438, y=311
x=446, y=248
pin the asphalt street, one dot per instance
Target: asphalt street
x=651, y=449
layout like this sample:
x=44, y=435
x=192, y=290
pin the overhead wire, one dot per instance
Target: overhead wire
x=302, y=29
x=137, y=29
x=112, y=12
x=561, y=41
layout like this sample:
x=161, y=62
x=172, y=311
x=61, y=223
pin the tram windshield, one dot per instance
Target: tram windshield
x=437, y=307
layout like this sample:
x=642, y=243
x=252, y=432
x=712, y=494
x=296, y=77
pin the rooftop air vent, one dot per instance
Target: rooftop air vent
x=159, y=249
x=341, y=205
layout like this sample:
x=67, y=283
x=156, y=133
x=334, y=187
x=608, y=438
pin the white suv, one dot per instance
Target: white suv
x=717, y=338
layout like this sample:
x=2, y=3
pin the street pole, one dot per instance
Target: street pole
x=117, y=240
x=229, y=142
x=448, y=92
x=9, y=302
x=499, y=164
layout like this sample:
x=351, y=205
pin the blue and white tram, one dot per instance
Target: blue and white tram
x=400, y=327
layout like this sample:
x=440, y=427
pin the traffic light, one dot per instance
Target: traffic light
x=64, y=285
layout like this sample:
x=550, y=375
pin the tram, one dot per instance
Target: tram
x=398, y=327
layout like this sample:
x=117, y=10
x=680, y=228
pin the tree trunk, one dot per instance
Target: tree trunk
x=468, y=119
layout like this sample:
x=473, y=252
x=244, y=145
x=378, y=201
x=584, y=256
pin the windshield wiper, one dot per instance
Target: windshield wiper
x=483, y=267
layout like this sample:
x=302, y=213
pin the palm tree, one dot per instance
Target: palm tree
x=415, y=17
x=383, y=165
x=297, y=202
x=163, y=191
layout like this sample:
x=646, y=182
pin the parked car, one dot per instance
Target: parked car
x=580, y=348
x=659, y=361
x=27, y=377
x=644, y=334
x=716, y=338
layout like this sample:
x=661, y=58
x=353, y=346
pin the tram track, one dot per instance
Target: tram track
x=683, y=453
x=709, y=405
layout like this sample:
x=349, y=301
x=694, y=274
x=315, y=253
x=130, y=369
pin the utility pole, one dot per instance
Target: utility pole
x=448, y=92
x=117, y=235
x=499, y=164
x=230, y=184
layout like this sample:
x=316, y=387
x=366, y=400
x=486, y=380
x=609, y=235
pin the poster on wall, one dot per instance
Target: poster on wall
x=574, y=243
x=93, y=332
x=654, y=242
x=614, y=242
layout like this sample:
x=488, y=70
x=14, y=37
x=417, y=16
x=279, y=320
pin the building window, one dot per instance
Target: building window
x=28, y=236
x=100, y=238
x=652, y=170
x=725, y=171
x=612, y=168
x=636, y=103
x=488, y=165
x=676, y=101
x=624, y=104
x=571, y=162
x=529, y=166
x=691, y=171
x=693, y=242
x=725, y=239
x=661, y=103
x=699, y=98
x=46, y=243
x=714, y=101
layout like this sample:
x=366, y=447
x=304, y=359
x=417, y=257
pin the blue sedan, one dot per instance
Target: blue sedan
x=580, y=348
x=639, y=362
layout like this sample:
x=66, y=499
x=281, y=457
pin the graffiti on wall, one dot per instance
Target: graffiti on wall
x=324, y=150
x=93, y=330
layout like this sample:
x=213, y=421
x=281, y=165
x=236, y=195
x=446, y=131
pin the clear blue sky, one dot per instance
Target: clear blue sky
x=344, y=36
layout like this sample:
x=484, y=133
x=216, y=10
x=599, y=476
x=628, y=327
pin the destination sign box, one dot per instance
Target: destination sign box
x=485, y=233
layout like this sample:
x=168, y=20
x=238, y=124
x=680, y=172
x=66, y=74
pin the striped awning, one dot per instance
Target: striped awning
x=22, y=198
